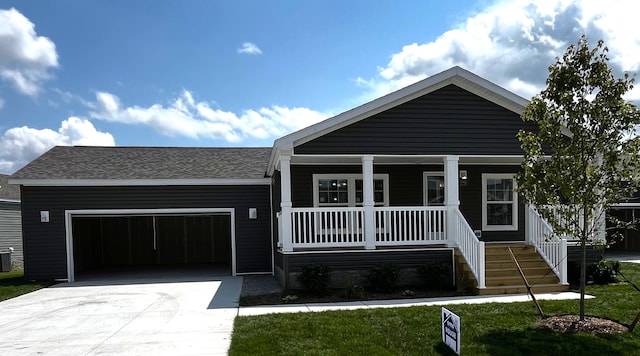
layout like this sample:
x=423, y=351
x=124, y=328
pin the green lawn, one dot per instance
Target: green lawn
x=13, y=284
x=487, y=329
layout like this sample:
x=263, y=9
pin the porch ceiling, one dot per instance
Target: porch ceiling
x=401, y=159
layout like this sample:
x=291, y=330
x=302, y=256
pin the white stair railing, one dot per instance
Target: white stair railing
x=471, y=248
x=548, y=244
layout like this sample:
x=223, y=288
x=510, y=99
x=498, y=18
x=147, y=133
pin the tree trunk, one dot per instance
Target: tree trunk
x=583, y=258
x=583, y=275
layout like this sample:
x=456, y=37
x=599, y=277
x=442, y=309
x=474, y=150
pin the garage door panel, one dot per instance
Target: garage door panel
x=199, y=231
x=88, y=243
x=222, y=239
x=143, y=250
x=114, y=241
x=170, y=232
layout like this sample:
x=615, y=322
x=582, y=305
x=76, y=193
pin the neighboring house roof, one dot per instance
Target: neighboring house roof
x=65, y=165
x=8, y=192
x=455, y=75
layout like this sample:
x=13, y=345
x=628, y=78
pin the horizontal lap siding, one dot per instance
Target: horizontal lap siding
x=362, y=260
x=447, y=121
x=406, y=189
x=45, y=245
x=11, y=229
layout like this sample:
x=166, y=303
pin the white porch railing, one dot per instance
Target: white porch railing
x=552, y=248
x=471, y=248
x=327, y=227
x=345, y=227
x=410, y=226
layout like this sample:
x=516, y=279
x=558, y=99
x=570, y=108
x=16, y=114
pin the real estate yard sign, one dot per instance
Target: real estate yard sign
x=451, y=330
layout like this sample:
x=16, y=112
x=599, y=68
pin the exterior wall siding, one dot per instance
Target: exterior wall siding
x=406, y=189
x=450, y=120
x=45, y=243
x=11, y=229
x=357, y=262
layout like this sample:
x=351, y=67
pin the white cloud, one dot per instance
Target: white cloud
x=198, y=120
x=513, y=43
x=20, y=145
x=25, y=57
x=249, y=48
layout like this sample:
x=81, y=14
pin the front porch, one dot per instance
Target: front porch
x=370, y=223
x=543, y=255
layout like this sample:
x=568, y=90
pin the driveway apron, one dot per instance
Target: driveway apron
x=160, y=318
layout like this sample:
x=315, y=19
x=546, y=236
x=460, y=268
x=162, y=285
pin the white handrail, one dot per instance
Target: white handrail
x=471, y=248
x=329, y=227
x=548, y=244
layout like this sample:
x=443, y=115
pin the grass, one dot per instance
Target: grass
x=13, y=284
x=487, y=329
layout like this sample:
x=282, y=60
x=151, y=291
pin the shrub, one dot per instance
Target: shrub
x=383, y=278
x=436, y=275
x=315, y=278
x=353, y=291
x=604, y=272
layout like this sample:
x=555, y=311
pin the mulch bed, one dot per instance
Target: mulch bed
x=571, y=323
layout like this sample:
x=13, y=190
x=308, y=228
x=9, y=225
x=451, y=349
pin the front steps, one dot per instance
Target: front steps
x=502, y=276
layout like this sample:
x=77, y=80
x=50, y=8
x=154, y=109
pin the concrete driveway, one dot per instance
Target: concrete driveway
x=135, y=317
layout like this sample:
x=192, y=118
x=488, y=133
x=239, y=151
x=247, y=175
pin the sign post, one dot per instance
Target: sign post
x=451, y=330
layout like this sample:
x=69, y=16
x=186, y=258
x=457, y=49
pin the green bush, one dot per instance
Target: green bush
x=315, y=278
x=383, y=278
x=353, y=291
x=436, y=275
x=603, y=272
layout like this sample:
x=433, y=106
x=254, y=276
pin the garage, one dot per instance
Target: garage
x=139, y=209
x=147, y=240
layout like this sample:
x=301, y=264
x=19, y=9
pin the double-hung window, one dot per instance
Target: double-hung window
x=499, y=202
x=347, y=190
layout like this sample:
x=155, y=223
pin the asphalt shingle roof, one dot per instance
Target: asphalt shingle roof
x=83, y=162
x=8, y=191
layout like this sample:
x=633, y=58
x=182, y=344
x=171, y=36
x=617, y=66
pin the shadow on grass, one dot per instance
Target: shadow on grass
x=11, y=287
x=542, y=341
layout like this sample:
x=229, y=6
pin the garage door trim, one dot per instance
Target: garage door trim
x=69, y=214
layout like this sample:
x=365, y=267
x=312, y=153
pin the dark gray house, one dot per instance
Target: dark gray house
x=421, y=175
x=10, y=219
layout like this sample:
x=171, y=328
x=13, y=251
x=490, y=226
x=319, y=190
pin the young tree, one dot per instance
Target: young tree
x=584, y=156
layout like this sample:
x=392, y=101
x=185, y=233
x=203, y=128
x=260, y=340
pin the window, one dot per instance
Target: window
x=433, y=188
x=347, y=189
x=499, y=203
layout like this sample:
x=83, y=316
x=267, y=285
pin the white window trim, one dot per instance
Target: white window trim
x=514, y=203
x=352, y=187
x=425, y=175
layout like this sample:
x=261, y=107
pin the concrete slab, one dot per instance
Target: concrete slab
x=160, y=318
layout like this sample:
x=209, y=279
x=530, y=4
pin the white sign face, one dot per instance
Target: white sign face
x=44, y=216
x=451, y=330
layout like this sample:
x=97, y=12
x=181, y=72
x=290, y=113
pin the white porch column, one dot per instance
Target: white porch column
x=285, y=204
x=452, y=200
x=368, y=203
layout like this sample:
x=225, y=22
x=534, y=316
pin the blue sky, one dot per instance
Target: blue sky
x=242, y=73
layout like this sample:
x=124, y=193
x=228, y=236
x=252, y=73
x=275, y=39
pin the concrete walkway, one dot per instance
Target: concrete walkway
x=319, y=307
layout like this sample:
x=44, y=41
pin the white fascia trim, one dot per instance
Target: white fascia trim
x=138, y=182
x=626, y=205
x=9, y=200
